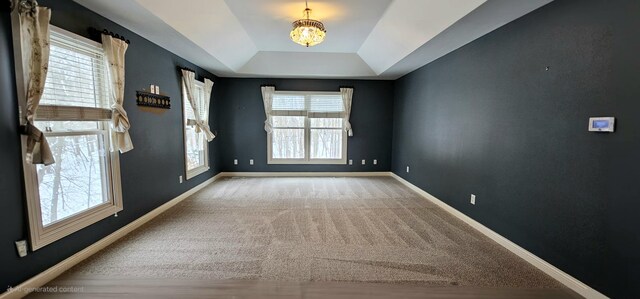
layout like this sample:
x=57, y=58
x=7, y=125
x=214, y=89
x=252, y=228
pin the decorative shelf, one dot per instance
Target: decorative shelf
x=148, y=99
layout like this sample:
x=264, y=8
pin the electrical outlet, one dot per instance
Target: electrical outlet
x=235, y=161
x=180, y=179
x=350, y=162
x=375, y=162
x=250, y=161
x=473, y=199
x=364, y=161
x=22, y=248
x=407, y=169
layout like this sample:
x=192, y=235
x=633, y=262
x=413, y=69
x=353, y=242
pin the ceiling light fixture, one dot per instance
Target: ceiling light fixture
x=307, y=32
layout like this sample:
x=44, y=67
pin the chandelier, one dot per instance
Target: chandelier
x=307, y=32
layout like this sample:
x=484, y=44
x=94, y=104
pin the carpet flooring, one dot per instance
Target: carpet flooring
x=314, y=229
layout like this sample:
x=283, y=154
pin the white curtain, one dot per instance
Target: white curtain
x=34, y=33
x=202, y=125
x=267, y=100
x=114, y=50
x=347, y=96
x=208, y=87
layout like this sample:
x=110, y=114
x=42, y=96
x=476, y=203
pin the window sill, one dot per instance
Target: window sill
x=58, y=230
x=308, y=162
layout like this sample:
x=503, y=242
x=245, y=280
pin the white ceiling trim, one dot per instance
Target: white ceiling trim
x=409, y=24
x=307, y=65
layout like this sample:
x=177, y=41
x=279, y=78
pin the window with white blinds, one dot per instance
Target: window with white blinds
x=76, y=87
x=307, y=128
x=326, y=103
x=77, y=74
x=83, y=186
x=199, y=95
x=288, y=102
x=308, y=103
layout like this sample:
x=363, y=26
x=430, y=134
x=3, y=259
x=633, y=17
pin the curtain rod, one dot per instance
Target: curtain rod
x=185, y=68
x=180, y=68
x=95, y=32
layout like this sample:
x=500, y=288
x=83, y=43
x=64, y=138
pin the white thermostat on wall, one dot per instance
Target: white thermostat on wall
x=601, y=124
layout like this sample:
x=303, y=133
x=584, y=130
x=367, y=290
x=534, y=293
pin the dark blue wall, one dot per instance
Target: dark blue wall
x=149, y=172
x=242, y=124
x=489, y=119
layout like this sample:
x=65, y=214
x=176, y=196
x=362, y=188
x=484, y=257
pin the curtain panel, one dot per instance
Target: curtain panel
x=114, y=51
x=347, y=96
x=34, y=35
x=267, y=100
x=208, y=88
x=201, y=121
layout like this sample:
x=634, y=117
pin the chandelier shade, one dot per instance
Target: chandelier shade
x=308, y=32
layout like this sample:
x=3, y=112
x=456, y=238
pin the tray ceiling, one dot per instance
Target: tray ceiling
x=379, y=39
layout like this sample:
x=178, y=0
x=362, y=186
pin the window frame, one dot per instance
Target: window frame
x=307, y=160
x=40, y=235
x=191, y=173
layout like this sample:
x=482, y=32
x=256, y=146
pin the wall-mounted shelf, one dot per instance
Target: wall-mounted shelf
x=148, y=99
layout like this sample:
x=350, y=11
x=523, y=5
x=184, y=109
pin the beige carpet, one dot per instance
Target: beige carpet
x=314, y=229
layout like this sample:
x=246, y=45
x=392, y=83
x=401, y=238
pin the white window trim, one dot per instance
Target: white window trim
x=307, y=139
x=191, y=173
x=40, y=235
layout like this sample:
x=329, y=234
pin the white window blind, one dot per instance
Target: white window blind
x=325, y=103
x=308, y=103
x=188, y=110
x=307, y=128
x=77, y=74
x=73, y=111
x=83, y=186
x=288, y=102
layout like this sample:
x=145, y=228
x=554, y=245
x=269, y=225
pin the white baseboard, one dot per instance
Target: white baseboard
x=53, y=272
x=559, y=275
x=305, y=174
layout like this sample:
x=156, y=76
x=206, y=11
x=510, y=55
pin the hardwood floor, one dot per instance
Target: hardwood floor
x=82, y=286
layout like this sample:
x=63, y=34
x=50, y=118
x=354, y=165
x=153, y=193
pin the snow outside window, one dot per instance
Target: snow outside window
x=308, y=128
x=83, y=185
x=195, y=143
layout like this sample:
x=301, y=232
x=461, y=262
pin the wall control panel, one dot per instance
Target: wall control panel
x=601, y=124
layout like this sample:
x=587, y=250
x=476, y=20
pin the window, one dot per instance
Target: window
x=195, y=144
x=308, y=128
x=83, y=186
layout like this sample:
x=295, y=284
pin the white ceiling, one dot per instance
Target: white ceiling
x=382, y=39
